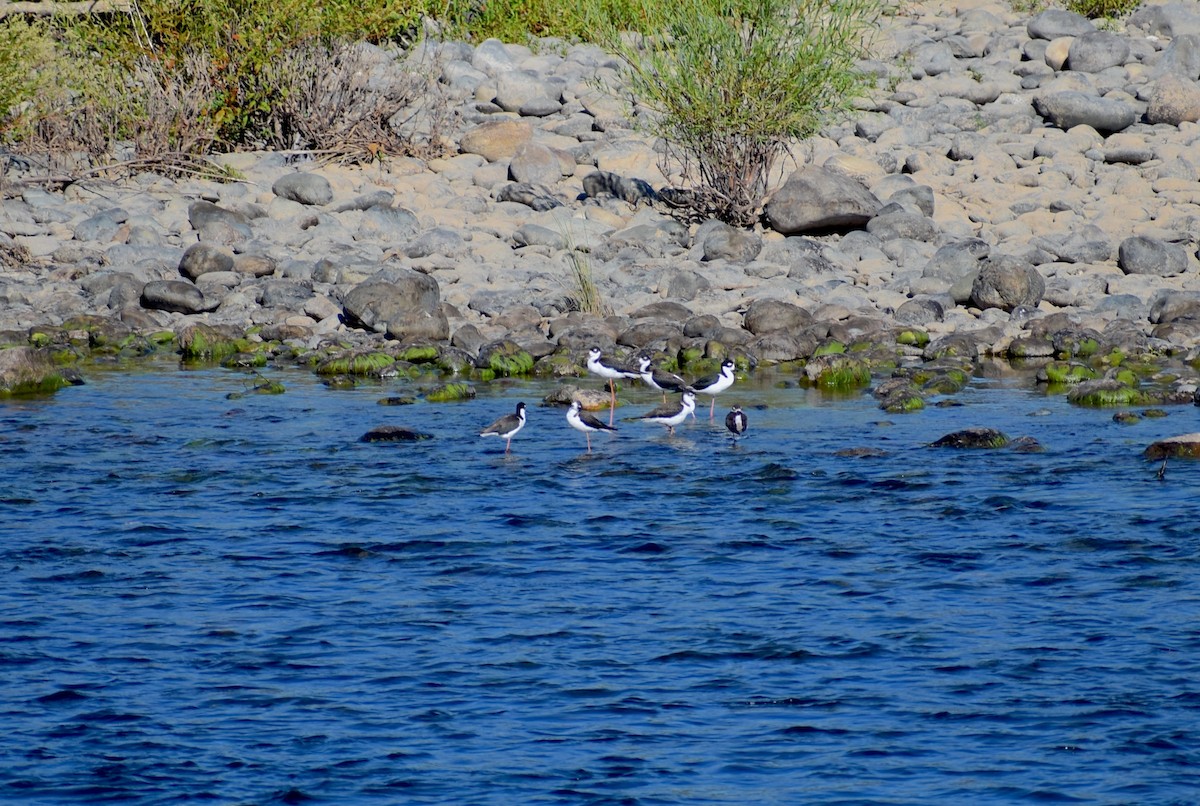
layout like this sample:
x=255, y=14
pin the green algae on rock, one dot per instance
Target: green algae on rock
x=201, y=341
x=972, y=438
x=837, y=371
x=28, y=371
x=370, y=363
x=1107, y=392
x=505, y=358
x=448, y=392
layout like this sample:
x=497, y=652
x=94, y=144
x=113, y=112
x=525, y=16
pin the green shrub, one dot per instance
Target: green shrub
x=28, y=71
x=733, y=83
x=1095, y=9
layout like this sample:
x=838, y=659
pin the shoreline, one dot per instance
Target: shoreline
x=1014, y=188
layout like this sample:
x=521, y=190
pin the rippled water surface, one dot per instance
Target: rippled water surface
x=235, y=601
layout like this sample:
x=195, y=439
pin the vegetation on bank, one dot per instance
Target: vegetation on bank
x=730, y=85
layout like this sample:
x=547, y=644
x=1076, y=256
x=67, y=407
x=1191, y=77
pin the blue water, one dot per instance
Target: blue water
x=235, y=601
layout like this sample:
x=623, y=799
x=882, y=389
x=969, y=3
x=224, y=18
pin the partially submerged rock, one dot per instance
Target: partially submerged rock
x=393, y=433
x=1184, y=446
x=28, y=371
x=973, y=438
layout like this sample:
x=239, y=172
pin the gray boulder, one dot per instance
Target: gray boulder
x=391, y=224
x=1005, y=282
x=535, y=164
x=286, y=294
x=773, y=316
x=1071, y=108
x=1169, y=306
x=1142, y=255
x=400, y=302
x=204, y=258
x=518, y=89
x=1100, y=50
x=1087, y=245
x=900, y=223
x=1055, y=22
x=493, y=58
x=305, y=188
x=920, y=311
x=1167, y=19
x=723, y=242
x=101, y=227
x=1180, y=58
x=818, y=198
x=437, y=241
x=1174, y=100
x=958, y=264
x=176, y=296
x=203, y=215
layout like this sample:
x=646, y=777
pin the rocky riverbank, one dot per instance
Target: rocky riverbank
x=1018, y=187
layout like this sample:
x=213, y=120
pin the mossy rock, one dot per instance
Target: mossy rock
x=336, y=382
x=1064, y=372
x=912, y=337
x=1075, y=344
x=902, y=401
x=418, y=354
x=201, y=341
x=162, y=338
x=484, y=375
x=505, y=358
x=947, y=382
x=973, y=438
x=838, y=371
x=245, y=360
x=267, y=387
x=829, y=347
x=28, y=371
x=1107, y=392
x=1126, y=418
x=396, y=401
x=1184, y=446
x=449, y=392
x=690, y=359
x=364, y=364
x=558, y=364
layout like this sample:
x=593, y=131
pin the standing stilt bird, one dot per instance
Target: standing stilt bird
x=507, y=426
x=736, y=422
x=613, y=372
x=583, y=421
x=672, y=414
x=659, y=378
x=714, y=385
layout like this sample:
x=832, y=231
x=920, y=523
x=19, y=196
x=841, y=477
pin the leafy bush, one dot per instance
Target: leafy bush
x=734, y=82
x=1095, y=9
x=28, y=73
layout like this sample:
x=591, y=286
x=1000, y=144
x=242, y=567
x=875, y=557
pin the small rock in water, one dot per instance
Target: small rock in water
x=973, y=438
x=393, y=433
x=1184, y=446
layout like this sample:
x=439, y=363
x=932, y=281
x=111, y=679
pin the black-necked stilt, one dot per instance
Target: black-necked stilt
x=583, y=421
x=736, y=422
x=507, y=426
x=672, y=414
x=660, y=379
x=715, y=384
x=612, y=371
